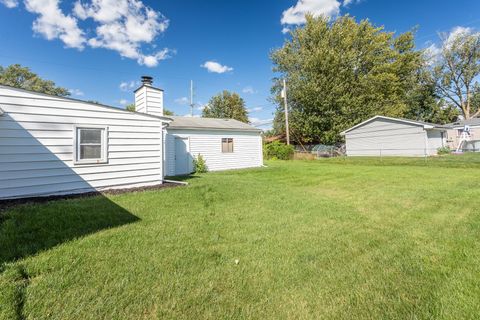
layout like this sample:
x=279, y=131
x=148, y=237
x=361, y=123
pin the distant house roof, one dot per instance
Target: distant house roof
x=210, y=124
x=425, y=125
x=475, y=122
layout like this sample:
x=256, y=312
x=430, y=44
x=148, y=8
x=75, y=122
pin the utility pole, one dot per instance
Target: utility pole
x=284, y=96
x=191, y=98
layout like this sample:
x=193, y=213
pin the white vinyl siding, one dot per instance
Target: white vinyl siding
x=149, y=100
x=247, y=149
x=383, y=137
x=37, y=149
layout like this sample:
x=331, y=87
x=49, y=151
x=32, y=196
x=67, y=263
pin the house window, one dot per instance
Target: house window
x=227, y=145
x=91, y=145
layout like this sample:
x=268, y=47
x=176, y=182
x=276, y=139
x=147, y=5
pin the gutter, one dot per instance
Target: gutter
x=215, y=129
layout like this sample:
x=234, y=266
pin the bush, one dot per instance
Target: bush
x=278, y=150
x=444, y=150
x=199, y=164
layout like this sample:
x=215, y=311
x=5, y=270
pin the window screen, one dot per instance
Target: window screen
x=227, y=145
x=90, y=144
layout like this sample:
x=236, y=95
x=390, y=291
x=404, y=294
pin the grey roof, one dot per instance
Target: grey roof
x=210, y=124
x=86, y=102
x=425, y=125
x=469, y=122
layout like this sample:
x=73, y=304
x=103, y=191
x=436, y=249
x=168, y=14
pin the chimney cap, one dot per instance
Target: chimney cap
x=147, y=80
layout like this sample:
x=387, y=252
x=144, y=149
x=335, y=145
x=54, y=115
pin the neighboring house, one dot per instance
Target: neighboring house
x=385, y=136
x=455, y=134
x=53, y=145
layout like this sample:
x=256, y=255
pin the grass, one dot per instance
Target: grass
x=328, y=239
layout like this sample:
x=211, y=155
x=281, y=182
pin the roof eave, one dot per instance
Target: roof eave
x=213, y=128
x=1, y=112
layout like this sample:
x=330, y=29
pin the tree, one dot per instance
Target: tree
x=21, y=77
x=456, y=71
x=166, y=112
x=226, y=105
x=340, y=73
x=425, y=105
x=130, y=107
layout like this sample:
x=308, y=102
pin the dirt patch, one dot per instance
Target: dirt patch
x=7, y=204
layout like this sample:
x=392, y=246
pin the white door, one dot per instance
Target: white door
x=182, y=157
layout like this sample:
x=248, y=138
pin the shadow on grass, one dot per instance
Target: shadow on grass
x=28, y=229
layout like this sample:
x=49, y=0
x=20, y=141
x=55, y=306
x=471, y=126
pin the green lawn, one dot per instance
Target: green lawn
x=328, y=239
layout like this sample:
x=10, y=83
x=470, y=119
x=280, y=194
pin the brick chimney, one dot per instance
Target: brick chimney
x=149, y=99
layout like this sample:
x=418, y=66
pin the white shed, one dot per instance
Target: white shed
x=223, y=143
x=385, y=136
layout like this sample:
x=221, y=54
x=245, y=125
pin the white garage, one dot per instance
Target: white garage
x=385, y=136
x=223, y=143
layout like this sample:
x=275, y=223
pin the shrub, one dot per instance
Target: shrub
x=199, y=164
x=278, y=150
x=444, y=150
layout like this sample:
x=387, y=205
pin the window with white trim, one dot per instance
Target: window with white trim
x=91, y=145
x=227, y=145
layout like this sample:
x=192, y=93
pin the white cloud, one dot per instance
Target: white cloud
x=123, y=102
x=256, y=122
x=286, y=30
x=9, y=3
x=455, y=33
x=216, y=67
x=296, y=15
x=433, y=51
x=432, y=54
x=123, y=26
x=52, y=23
x=255, y=109
x=76, y=92
x=249, y=90
x=128, y=85
x=182, y=101
x=346, y=3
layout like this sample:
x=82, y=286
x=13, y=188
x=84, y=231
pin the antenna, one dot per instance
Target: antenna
x=191, y=98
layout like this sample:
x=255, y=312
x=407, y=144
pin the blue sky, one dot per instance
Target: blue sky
x=93, y=46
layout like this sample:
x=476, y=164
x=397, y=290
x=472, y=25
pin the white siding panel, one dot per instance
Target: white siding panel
x=436, y=139
x=36, y=147
x=383, y=137
x=247, y=149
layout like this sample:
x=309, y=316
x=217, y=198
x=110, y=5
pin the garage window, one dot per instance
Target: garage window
x=90, y=145
x=227, y=145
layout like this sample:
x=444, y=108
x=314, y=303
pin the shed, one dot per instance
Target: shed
x=386, y=136
x=223, y=143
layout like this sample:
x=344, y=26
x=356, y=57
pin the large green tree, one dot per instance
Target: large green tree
x=340, y=73
x=18, y=76
x=226, y=105
x=457, y=69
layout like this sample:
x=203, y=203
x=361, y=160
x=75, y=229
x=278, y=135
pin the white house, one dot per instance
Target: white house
x=385, y=136
x=53, y=145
